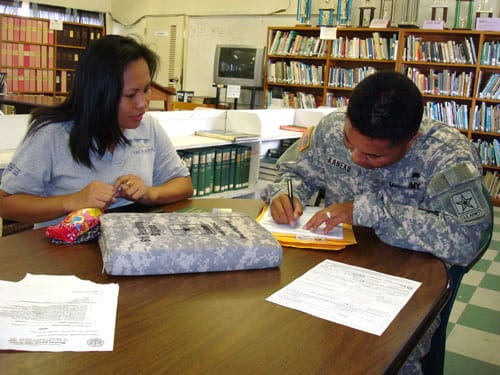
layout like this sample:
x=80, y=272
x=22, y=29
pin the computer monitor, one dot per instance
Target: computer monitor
x=240, y=65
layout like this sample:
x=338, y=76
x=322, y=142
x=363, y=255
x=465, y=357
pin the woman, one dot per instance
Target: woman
x=99, y=148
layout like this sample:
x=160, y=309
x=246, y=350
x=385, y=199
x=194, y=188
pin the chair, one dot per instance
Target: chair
x=433, y=362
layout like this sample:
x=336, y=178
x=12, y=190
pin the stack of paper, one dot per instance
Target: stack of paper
x=296, y=236
x=57, y=313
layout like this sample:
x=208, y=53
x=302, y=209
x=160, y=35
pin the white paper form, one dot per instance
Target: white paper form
x=268, y=222
x=352, y=296
x=57, y=313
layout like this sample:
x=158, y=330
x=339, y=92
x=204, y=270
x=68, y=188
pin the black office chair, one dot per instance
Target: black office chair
x=433, y=362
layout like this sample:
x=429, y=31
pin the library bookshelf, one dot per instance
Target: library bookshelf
x=182, y=126
x=457, y=71
x=39, y=59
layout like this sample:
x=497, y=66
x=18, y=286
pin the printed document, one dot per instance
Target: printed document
x=352, y=296
x=57, y=313
x=268, y=222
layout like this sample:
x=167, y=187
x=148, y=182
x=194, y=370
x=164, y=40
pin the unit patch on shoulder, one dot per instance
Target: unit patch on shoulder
x=466, y=205
x=305, y=140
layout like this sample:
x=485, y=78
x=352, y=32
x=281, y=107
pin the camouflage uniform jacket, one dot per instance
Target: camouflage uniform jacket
x=431, y=200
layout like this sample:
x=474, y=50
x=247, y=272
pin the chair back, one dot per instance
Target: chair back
x=433, y=362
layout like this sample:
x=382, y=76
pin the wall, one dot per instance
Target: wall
x=209, y=22
x=203, y=33
x=128, y=11
x=94, y=5
x=227, y=21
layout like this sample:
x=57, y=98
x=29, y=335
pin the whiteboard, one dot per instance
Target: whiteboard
x=204, y=33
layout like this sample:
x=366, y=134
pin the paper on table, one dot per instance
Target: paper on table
x=57, y=313
x=337, y=239
x=352, y=296
x=268, y=222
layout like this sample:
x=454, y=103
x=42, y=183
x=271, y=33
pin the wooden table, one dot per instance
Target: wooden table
x=220, y=323
x=25, y=103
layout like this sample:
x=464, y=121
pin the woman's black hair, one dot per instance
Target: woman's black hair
x=94, y=99
x=386, y=105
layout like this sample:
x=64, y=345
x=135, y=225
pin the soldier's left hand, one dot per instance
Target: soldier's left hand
x=331, y=216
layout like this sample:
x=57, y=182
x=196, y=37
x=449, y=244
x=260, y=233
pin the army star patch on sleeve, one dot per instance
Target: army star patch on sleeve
x=305, y=140
x=466, y=205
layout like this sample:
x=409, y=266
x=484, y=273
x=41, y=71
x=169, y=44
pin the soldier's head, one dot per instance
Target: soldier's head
x=383, y=118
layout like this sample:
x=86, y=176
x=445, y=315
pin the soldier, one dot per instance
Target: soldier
x=416, y=183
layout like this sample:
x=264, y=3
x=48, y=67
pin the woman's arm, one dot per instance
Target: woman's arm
x=132, y=187
x=29, y=208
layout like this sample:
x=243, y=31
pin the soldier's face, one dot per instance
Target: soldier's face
x=372, y=153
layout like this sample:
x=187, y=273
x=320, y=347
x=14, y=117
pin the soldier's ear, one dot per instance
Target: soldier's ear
x=410, y=142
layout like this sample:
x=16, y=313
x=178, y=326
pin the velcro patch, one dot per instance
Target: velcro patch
x=305, y=140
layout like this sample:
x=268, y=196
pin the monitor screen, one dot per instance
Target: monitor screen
x=238, y=65
x=237, y=62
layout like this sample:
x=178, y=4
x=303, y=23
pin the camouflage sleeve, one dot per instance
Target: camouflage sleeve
x=299, y=162
x=449, y=227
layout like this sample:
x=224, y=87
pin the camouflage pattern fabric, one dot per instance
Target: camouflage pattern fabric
x=431, y=200
x=160, y=243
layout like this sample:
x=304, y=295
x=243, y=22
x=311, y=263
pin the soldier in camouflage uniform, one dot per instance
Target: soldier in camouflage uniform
x=416, y=183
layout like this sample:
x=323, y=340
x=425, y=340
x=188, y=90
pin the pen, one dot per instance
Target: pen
x=290, y=193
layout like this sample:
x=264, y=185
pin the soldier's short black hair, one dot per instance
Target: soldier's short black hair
x=386, y=105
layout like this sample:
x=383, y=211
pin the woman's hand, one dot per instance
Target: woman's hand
x=132, y=187
x=95, y=195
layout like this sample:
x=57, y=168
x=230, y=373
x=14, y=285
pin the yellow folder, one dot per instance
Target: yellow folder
x=310, y=241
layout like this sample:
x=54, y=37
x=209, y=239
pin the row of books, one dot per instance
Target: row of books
x=293, y=44
x=64, y=81
x=448, y=112
x=446, y=82
x=218, y=169
x=67, y=58
x=29, y=55
x=295, y=73
x=29, y=80
x=268, y=169
x=276, y=98
x=375, y=47
x=486, y=118
x=491, y=89
x=492, y=182
x=336, y=101
x=20, y=29
x=299, y=99
x=344, y=77
x=489, y=151
x=450, y=51
x=78, y=35
x=490, y=54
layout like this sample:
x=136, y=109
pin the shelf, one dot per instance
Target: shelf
x=39, y=60
x=456, y=63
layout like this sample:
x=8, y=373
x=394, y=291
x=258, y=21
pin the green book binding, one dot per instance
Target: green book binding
x=232, y=169
x=218, y=170
x=201, y=173
x=226, y=157
x=240, y=153
x=194, y=171
x=209, y=173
